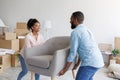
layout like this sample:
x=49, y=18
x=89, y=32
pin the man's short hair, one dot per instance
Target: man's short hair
x=78, y=15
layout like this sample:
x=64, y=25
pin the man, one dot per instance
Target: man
x=83, y=43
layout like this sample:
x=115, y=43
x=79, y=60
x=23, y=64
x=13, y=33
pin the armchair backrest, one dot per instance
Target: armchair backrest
x=57, y=43
x=49, y=47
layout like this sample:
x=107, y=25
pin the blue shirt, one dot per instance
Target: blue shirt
x=82, y=43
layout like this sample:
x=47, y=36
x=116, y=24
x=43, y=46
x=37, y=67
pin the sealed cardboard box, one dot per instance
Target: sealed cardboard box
x=21, y=25
x=9, y=44
x=118, y=60
x=5, y=62
x=21, y=43
x=15, y=59
x=10, y=36
x=21, y=32
x=117, y=43
x=2, y=36
x=105, y=47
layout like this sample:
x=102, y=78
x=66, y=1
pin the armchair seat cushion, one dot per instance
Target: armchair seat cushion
x=42, y=61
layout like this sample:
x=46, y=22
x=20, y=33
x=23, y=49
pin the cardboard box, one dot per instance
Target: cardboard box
x=9, y=44
x=21, y=32
x=10, y=36
x=118, y=60
x=21, y=25
x=5, y=62
x=105, y=47
x=15, y=59
x=21, y=43
x=117, y=43
x=2, y=36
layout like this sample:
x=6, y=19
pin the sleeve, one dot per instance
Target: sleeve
x=27, y=42
x=73, y=47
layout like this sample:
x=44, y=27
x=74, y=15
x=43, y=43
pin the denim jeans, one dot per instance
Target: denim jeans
x=24, y=70
x=86, y=73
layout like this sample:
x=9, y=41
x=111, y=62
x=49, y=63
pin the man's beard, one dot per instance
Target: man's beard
x=73, y=26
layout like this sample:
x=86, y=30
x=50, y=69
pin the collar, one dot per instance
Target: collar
x=32, y=33
x=79, y=26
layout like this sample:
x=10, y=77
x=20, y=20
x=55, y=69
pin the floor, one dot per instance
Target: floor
x=12, y=73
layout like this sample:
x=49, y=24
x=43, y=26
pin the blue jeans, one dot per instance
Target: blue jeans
x=24, y=70
x=86, y=73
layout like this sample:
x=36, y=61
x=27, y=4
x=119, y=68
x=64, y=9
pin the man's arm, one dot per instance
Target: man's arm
x=65, y=68
x=77, y=64
x=62, y=72
x=72, y=54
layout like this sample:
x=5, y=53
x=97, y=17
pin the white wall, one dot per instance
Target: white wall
x=101, y=16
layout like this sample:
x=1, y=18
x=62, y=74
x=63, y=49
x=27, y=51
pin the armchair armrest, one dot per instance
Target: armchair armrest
x=59, y=60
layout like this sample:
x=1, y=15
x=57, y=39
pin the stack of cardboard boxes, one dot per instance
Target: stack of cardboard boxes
x=10, y=41
x=21, y=30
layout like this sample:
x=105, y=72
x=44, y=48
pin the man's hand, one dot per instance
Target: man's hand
x=62, y=72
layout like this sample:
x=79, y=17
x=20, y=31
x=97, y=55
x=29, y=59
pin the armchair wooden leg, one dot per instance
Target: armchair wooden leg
x=52, y=78
x=73, y=74
x=32, y=75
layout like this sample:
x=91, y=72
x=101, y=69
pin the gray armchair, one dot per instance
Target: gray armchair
x=49, y=58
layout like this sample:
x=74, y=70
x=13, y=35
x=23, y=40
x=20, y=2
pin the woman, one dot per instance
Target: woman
x=34, y=38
